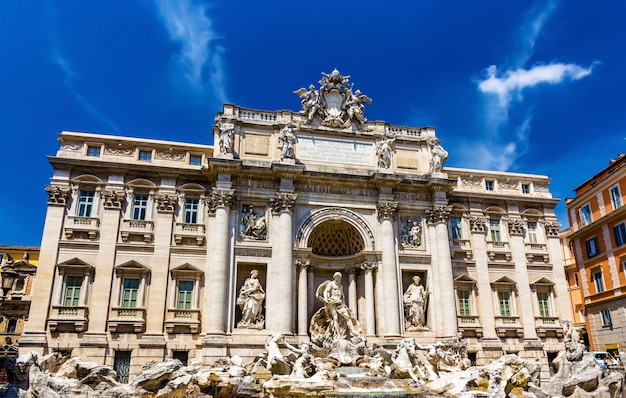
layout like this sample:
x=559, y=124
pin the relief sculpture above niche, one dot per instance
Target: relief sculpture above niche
x=253, y=224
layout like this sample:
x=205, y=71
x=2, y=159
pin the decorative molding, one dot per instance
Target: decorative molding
x=119, y=150
x=72, y=146
x=438, y=214
x=387, y=210
x=57, y=196
x=112, y=200
x=170, y=155
x=282, y=202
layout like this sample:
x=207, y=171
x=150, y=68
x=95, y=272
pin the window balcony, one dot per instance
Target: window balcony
x=68, y=319
x=127, y=319
x=470, y=325
x=548, y=326
x=498, y=250
x=182, y=321
x=144, y=229
x=462, y=246
x=86, y=226
x=189, y=232
x=537, y=252
x=509, y=325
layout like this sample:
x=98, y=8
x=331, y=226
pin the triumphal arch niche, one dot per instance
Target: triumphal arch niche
x=323, y=195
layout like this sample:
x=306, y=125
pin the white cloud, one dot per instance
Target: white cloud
x=200, y=60
x=514, y=81
x=70, y=76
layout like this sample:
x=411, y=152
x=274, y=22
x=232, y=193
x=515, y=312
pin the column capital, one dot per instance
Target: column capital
x=477, y=223
x=438, y=214
x=166, y=203
x=387, y=210
x=552, y=229
x=57, y=196
x=516, y=226
x=283, y=202
x=302, y=264
x=371, y=267
x=220, y=197
x=112, y=200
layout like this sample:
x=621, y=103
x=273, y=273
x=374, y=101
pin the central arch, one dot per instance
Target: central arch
x=325, y=226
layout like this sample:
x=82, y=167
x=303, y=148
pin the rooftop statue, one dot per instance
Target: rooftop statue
x=334, y=103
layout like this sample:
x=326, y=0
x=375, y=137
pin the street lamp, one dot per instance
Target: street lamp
x=8, y=276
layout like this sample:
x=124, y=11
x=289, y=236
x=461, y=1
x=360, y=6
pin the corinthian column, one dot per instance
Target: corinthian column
x=280, y=297
x=370, y=318
x=214, y=301
x=303, y=266
x=438, y=216
x=387, y=212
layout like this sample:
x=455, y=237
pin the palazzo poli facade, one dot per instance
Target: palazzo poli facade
x=156, y=249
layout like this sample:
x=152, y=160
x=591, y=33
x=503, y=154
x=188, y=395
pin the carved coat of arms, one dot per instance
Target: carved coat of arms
x=334, y=102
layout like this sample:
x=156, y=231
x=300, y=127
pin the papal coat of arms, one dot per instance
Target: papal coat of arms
x=334, y=102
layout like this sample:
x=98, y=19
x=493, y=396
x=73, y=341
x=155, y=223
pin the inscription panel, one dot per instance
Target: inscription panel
x=332, y=151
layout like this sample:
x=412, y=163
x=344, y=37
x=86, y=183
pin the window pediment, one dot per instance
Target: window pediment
x=186, y=270
x=76, y=265
x=504, y=282
x=132, y=267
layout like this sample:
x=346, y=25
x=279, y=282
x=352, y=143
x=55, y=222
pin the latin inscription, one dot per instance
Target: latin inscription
x=344, y=152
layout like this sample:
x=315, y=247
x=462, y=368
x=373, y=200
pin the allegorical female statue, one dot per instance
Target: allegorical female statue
x=415, y=304
x=250, y=301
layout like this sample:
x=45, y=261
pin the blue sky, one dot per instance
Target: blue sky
x=525, y=86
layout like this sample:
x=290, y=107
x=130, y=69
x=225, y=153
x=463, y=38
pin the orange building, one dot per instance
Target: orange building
x=597, y=241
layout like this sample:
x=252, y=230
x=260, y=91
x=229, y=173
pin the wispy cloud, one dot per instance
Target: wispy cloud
x=503, y=140
x=200, y=60
x=70, y=76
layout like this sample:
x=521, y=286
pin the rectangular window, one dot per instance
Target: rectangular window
x=576, y=279
x=121, y=365
x=504, y=299
x=489, y=185
x=73, y=285
x=543, y=299
x=592, y=247
x=191, y=210
x=494, y=229
x=12, y=326
x=140, y=206
x=185, y=295
x=606, y=317
x=616, y=197
x=455, y=223
x=620, y=234
x=145, y=155
x=464, y=303
x=585, y=215
x=93, y=151
x=525, y=188
x=85, y=203
x=195, y=160
x=531, y=227
x=129, y=295
x=598, y=280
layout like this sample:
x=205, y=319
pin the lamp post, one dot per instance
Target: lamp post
x=8, y=276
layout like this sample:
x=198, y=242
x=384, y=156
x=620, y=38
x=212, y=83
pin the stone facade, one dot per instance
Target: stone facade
x=155, y=249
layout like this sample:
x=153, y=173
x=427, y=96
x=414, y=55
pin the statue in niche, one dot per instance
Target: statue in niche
x=412, y=233
x=227, y=134
x=415, y=300
x=384, y=149
x=439, y=155
x=287, y=140
x=335, y=320
x=250, y=301
x=253, y=223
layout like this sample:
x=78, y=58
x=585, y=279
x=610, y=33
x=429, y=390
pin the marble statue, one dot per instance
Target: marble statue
x=384, y=149
x=227, y=134
x=250, y=300
x=415, y=299
x=287, y=140
x=412, y=233
x=334, y=320
x=310, y=102
x=439, y=154
x=354, y=106
x=253, y=224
